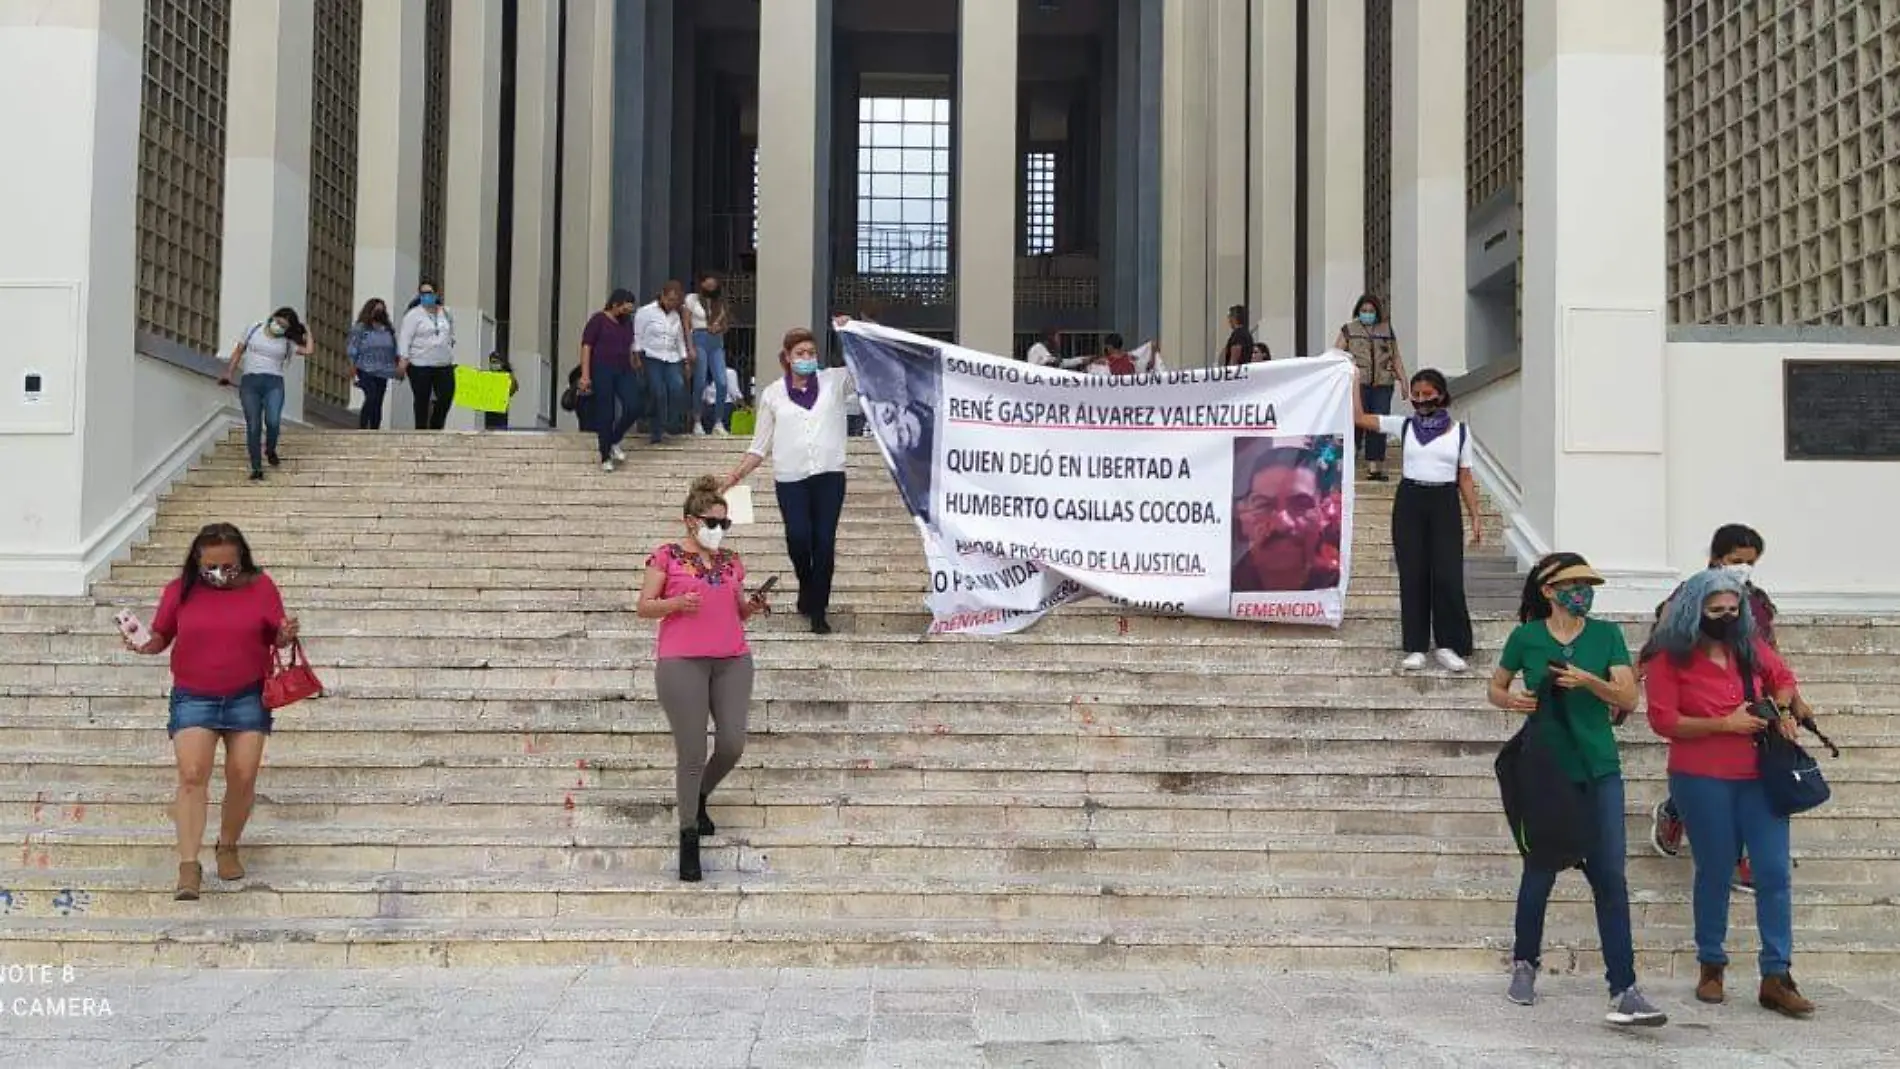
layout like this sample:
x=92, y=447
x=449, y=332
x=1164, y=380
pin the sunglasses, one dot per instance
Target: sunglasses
x=717, y=523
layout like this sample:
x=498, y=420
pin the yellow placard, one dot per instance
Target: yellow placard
x=483, y=391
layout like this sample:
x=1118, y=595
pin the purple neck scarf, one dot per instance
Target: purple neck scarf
x=804, y=397
x=1427, y=428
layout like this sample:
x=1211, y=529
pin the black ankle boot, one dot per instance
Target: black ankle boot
x=689, y=856
x=706, y=825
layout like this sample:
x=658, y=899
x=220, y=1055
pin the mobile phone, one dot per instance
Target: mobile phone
x=1558, y=664
x=770, y=585
x=132, y=629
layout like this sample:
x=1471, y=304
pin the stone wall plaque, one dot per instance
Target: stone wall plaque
x=1841, y=409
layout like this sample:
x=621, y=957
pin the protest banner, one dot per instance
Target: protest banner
x=482, y=391
x=1217, y=492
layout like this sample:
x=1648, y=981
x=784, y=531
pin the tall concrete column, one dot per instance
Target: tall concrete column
x=989, y=167
x=1185, y=186
x=1273, y=140
x=530, y=287
x=586, y=180
x=267, y=173
x=794, y=171
x=473, y=180
x=70, y=77
x=1335, y=167
x=1428, y=182
x=391, y=97
x=1227, y=161
x=1595, y=289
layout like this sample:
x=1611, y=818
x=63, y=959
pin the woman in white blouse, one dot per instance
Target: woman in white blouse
x=1427, y=527
x=801, y=422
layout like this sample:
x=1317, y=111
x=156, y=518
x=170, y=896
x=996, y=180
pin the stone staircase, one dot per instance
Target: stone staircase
x=489, y=781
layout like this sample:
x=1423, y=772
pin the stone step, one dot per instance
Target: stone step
x=811, y=852
x=749, y=898
x=297, y=943
x=1862, y=815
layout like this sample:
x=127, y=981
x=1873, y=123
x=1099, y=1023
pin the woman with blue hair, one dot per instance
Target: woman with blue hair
x=1703, y=649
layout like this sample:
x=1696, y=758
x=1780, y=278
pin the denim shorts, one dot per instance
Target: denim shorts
x=240, y=712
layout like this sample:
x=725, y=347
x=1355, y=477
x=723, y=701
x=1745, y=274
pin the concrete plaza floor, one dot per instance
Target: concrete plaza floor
x=706, y=1019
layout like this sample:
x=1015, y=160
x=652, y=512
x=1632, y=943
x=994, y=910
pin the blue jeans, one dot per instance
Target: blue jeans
x=613, y=406
x=666, y=387
x=263, y=399
x=374, y=388
x=1604, y=868
x=711, y=365
x=1721, y=816
x=1378, y=402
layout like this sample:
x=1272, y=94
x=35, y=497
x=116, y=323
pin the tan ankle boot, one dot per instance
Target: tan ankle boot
x=229, y=867
x=1779, y=994
x=191, y=878
x=1709, y=988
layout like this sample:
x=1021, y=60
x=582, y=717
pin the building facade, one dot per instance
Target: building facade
x=1606, y=218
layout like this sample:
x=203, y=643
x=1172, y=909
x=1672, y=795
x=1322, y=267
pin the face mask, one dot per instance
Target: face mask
x=428, y=300
x=1425, y=406
x=1743, y=573
x=713, y=293
x=274, y=329
x=805, y=367
x=1369, y=318
x=710, y=537
x=1576, y=600
x=221, y=576
x=1720, y=628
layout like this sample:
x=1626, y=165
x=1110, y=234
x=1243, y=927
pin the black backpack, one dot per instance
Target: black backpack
x=1553, y=820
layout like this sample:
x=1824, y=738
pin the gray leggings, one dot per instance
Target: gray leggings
x=692, y=689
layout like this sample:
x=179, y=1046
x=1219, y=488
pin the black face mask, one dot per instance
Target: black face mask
x=1721, y=628
x=1426, y=408
x=712, y=294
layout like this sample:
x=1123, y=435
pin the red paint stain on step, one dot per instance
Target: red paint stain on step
x=1121, y=625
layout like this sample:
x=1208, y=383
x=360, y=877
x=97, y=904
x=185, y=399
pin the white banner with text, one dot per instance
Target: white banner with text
x=1218, y=492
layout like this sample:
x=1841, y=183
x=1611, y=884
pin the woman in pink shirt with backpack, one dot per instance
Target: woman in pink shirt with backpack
x=703, y=665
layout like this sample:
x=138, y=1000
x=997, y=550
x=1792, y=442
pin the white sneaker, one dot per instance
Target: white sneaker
x=608, y=466
x=618, y=454
x=720, y=431
x=1414, y=662
x=1451, y=661
x=698, y=431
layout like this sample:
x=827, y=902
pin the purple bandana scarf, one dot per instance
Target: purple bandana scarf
x=1427, y=428
x=804, y=397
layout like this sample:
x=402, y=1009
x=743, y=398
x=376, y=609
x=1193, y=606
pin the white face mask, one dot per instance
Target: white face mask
x=1743, y=573
x=710, y=537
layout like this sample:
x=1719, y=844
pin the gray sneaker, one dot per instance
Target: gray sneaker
x=1631, y=1007
x=1523, y=983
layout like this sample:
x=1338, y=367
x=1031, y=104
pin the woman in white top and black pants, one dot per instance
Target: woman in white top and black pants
x=802, y=424
x=426, y=344
x=1427, y=526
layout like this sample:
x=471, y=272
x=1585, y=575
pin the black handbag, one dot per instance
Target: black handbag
x=1791, y=777
x=1553, y=820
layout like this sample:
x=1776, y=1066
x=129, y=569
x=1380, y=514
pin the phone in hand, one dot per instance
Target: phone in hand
x=133, y=630
x=769, y=586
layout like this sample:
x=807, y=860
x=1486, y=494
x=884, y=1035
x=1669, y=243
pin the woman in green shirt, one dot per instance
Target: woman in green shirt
x=1587, y=665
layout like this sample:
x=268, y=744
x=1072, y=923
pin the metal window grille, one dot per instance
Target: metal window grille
x=332, y=261
x=1039, y=197
x=1784, y=162
x=1378, y=250
x=435, y=139
x=181, y=170
x=904, y=185
x=1494, y=99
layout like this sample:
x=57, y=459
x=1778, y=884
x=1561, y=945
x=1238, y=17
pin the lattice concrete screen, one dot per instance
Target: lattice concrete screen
x=333, y=196
x=435, y=140
x=181, y=170
x=1378, y=151
x=1784, y=176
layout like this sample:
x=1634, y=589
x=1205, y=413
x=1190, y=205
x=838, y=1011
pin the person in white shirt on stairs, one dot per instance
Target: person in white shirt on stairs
x=802, y=425
x=256, y=367
x=707, y=308
x=661, y=347
x=1427, y=527
x=426, y=344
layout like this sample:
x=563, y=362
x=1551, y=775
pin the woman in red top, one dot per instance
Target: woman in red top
x=702, y=664
x=220, y=619
x=1701, y=651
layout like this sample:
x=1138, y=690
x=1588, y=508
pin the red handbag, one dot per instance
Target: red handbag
x=291, y=678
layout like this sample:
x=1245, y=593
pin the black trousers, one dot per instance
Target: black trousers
x=1428, y=543
x=434, y=390
x=374, y=390
x=811, y=508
